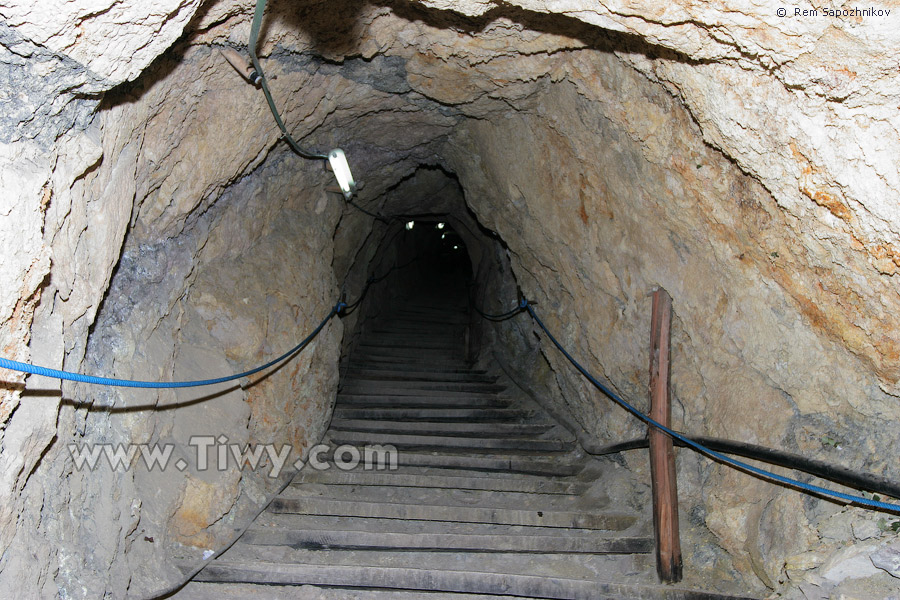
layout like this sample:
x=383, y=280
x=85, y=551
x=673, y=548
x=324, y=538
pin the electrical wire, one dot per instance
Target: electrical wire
x=700, y=448
x=264, y=84
x=740, y=465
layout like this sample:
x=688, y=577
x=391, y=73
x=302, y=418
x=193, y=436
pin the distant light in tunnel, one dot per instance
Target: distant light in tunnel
x=440, y=225
x=456, y=247
x=443, y=235
x=338, y=162
x=410, y=225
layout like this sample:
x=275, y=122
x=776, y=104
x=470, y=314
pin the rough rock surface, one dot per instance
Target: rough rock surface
x=112, y=40
x=156, y=228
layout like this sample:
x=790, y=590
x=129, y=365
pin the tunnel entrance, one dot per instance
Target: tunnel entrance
x=438, y=476
x=439, y=473
x=434, y=259
x=425, y=246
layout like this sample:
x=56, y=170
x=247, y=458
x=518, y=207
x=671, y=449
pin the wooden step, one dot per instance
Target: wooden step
x=451, y=512
x=402, y=401
x=442, y=428
x=412, y=357
x=549, y=564
x=443, y=478
x=561, y=576
x=420, y=344
x=560, y=464
x=252, y=591
x=390, y=535
x=446, y=441
x=457, y=362
x=355, y=373
x=355, y=385
x=430, y=579
x=393, y=493
x=454, y=335
x=424, y=320
x=404, y=350
x=412, y=369
x=539, y=465
x=419, y=330
x=432, y=413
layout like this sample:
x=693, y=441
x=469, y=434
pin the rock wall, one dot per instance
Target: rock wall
x=735, y=375
x=165, y=234
x=206, y=282
x=740, y=159
x=762, y=297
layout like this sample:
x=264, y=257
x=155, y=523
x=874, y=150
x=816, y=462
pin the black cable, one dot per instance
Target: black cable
x=824, y=470
x=503, y=317
x=376, y=216
x=835, y=473
x=254, y=39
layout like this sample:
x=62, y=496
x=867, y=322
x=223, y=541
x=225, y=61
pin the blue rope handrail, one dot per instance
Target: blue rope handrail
x=524, y=305
x=132, y=383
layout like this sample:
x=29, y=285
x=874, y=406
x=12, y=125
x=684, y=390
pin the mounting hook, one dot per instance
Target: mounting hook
x=241, y=65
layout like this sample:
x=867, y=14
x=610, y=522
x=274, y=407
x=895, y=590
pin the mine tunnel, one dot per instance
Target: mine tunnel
x=540, y=201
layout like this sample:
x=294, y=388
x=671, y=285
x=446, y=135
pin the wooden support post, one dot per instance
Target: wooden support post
x=662, y=452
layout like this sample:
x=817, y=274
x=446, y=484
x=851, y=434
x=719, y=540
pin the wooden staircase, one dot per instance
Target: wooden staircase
x=489, y=498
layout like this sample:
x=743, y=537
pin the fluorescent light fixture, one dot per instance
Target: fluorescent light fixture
x=410, y=225
x=443, y=235
x=440, y=225
x=338, y=162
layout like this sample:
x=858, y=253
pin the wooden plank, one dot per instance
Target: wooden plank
x=413, y=387
x=433, y=413
x=507, y=462
x=442, y=542
x=424, y=402
x=460, y=514
x=443, y=428
x=436, y=579
x=662, y=452
x=438, y=478
x=474, y=443
x=408, y=375
x=412, y=578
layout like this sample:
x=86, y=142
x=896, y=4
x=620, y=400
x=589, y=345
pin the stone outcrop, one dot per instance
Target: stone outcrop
x=156, y=228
